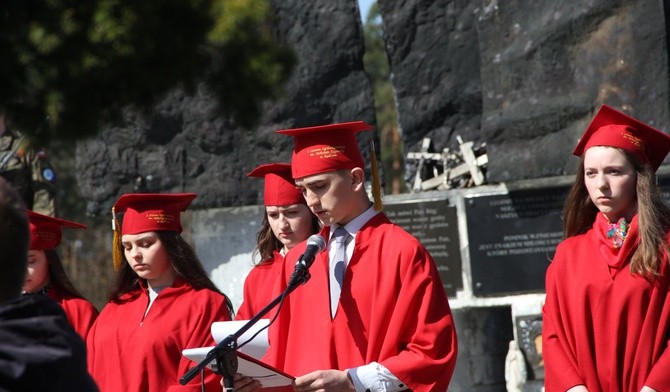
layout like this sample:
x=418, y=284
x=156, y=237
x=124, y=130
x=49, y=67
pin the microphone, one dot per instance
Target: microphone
x=315, y=244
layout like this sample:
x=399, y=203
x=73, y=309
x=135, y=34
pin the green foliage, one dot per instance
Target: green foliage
x=376, y=61
x=378, y=69
x=68, y=66
x=243, y=27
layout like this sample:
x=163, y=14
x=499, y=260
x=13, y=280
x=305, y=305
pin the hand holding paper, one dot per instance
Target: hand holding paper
x=249, y=355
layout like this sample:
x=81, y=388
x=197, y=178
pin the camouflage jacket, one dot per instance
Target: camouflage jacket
x=29, y=171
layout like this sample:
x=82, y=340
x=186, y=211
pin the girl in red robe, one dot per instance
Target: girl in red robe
x=46, y=274
x=606, y=319
x=287, y=221
x=162, y=302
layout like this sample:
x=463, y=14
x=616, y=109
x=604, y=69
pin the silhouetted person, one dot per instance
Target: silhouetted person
x=39, y=349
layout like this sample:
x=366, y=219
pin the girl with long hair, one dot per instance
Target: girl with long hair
x=162, y=302
x=47, y=276
x=287, y=221
x=606, y=319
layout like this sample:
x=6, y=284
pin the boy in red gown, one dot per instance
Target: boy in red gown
x=374, y=316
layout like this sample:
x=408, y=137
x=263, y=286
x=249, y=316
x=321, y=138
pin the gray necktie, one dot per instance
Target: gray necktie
x=337, y=267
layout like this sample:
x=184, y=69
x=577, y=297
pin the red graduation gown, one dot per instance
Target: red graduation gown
x=128, y=352
x=393, y=309
x=602, y=326
x=80, y=312
x=258, y=287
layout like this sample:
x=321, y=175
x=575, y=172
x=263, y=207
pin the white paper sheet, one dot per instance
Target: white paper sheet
x=255, y=348
x=248, y=358
x=268, y=376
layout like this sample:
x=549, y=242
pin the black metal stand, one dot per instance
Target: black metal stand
x=225, y=352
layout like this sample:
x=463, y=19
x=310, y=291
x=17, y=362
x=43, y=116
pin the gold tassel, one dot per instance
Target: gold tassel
x=376, y=182
x=116, y=243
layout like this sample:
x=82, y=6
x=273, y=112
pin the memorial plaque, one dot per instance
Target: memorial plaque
x=435, y=224
x=513, y=238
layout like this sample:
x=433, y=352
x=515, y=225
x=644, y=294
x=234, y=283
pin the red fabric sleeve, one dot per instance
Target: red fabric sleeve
x=426, y=332
x=199, y=335
x=560, y=367
x=81, y=314
x=258, y=287
x=245, y=311
x=659, y=377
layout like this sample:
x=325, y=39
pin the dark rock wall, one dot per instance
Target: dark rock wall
x=523, y=76
x=434, y=56
x=185, y=145
x=546, y=74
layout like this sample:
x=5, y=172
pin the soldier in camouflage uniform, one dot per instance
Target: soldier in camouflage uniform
x=27, y=170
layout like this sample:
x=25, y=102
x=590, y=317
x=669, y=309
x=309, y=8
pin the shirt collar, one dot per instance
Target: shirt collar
x=355, y=225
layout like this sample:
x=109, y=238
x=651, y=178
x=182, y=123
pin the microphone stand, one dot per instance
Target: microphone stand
x=225, y=352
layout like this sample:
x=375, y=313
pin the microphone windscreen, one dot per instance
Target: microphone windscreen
x=318, y=241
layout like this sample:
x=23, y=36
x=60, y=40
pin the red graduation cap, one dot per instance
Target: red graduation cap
x=612, y=128
x=326, y=148
x=46, y=231
x=280, y=190
x=147, y=212
x=152, y=211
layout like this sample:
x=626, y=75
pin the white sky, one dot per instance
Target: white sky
x=364, y=6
